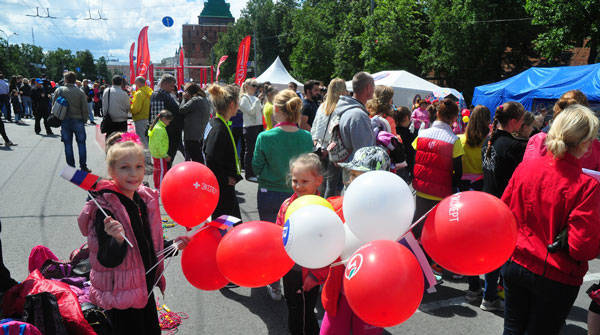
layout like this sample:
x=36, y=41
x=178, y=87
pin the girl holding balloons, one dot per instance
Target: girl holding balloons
x=123, y=276
x=300, y=285
x=557, y=209
x=220, y=149
x=339, y=317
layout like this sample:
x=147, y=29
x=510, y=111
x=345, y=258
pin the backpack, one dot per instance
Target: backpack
x=336, y=149
x=97, y=319
x=60, y=106
x=14, y=327
x=42, y=311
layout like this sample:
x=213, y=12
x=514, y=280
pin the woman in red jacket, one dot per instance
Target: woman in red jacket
x=557, y=208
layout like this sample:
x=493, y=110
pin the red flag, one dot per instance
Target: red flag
x=151, y=75
x=221, y=61
x=143, y=53
x=180, y=70
x=242, y=61
x=131, y=67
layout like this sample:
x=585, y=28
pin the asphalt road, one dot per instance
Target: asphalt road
x=39, y=207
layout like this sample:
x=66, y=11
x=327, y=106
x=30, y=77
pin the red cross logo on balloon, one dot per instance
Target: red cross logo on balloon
x=353, y=266
x=143, y=69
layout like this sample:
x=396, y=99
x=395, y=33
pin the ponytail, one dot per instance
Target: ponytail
x=574, y=125
x=504, y=113
x=288, y=103
x=163, y=114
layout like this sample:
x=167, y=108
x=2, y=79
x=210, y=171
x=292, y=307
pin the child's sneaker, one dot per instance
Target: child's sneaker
x=473, y=296
x=274, y=293
x=492, y=306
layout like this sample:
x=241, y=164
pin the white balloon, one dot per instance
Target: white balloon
x=351, y=244
x=313, y=236
x=378, y=205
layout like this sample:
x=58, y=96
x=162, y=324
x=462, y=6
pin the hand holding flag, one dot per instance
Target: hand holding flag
x=86, y=181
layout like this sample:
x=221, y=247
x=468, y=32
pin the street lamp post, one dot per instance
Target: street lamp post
x=212, y=53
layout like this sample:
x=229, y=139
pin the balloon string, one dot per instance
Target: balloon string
x=164, y=269
x=164, y=255
x=401, y=237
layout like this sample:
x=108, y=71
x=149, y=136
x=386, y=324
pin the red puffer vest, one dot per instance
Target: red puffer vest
x=433, y=161
x=124, y=286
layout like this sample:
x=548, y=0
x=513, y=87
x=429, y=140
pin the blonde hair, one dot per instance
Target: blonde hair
x=336, y=88
x=248, y=82
x=381, y=100
x=310, y=161
x=288, y=103
x=116, y=150
x=222, y=96
x=574, y=125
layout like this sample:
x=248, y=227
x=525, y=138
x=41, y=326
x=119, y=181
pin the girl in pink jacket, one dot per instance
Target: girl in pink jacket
x=123, y=277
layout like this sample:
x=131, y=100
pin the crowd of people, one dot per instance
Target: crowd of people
x=298, y=143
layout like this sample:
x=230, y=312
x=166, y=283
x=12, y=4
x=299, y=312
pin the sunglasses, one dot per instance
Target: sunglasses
x=254, y=85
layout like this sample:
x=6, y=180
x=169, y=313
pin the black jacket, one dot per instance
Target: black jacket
x=218, y=149
x=506, y=154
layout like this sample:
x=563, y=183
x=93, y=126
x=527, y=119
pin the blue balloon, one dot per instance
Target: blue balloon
x=77, y=69
x=167, y=21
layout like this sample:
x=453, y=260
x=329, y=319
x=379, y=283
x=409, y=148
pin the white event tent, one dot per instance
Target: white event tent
x=278, y=76
x=406, y=86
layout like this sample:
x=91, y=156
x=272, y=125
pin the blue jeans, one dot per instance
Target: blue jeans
x=68, y=127
x=91, y=110
x=269, y=203
x=534, y=304
x=490, y=289
x=27, y=105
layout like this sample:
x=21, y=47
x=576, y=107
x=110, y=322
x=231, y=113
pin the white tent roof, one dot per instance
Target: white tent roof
x=277, y=75
x=406, y=86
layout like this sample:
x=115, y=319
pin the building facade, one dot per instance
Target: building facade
x=199, y=39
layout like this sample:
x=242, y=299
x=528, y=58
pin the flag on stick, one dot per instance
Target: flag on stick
x=85, y=180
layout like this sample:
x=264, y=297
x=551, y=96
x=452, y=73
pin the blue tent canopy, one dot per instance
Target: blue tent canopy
x=540, y=83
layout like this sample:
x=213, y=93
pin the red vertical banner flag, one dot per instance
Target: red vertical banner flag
x=143, y=53
x=241, y=68
x=221, y=61
x=180, y=69
x=151, y=75
x=131, y=67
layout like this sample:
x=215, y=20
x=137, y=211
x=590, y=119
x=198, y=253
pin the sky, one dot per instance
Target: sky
x=111, y=37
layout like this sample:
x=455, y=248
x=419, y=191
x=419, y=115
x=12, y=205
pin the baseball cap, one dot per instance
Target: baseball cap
x=369, y=159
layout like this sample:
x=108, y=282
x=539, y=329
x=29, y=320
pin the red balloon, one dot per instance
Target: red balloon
x=189, y=192
x=465, y=112
x=199, y=261
x=383, y=283
x=470, y=233
x=252, y=254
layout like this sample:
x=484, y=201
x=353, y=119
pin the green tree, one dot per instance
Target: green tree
x=347, y=42
x=475, y=42
x=394, y=36
x=102, y=69
x=57, y=61
x=84, y=60
x=313, y=36
x=566, y=24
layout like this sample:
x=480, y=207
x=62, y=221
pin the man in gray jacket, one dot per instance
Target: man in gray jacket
x=74, y=122
x=116, y=103
x=355, y=124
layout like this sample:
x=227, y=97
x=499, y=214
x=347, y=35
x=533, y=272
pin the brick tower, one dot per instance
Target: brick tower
x=198, y=39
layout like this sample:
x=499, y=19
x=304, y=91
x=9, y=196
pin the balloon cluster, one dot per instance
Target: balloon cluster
x=468, y=233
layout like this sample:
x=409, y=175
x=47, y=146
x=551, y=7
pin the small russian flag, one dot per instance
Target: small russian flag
x=85, y=180
x=223, y=222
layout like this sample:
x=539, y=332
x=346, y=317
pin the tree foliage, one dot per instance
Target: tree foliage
x=566, y=24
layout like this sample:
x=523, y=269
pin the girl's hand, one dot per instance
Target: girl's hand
x=232, y=181
x=309, y=283
x=183, y=241
x=114, y=228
